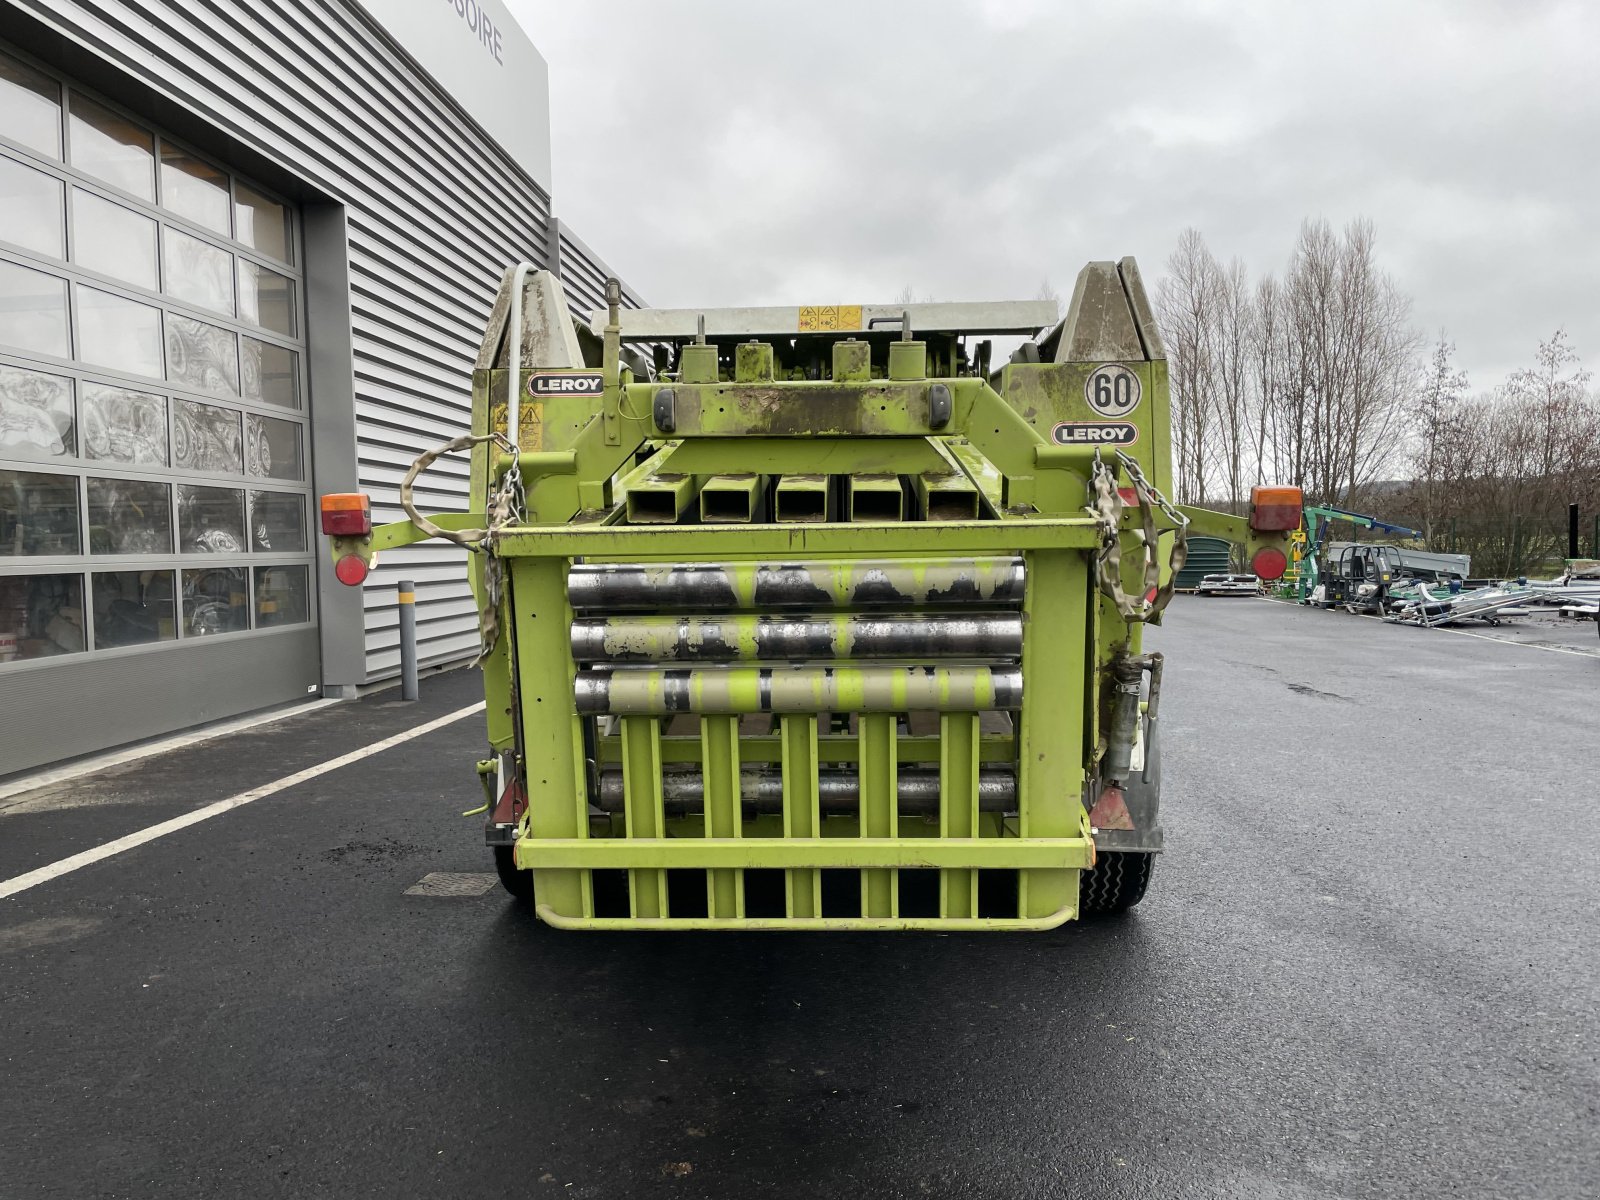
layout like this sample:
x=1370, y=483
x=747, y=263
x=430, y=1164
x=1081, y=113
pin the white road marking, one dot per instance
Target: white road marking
x=1484, y=637
x=84, y=858
x=88, y=766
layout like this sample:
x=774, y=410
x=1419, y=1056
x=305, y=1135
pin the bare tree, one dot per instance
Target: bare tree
x=1187, y=301
x=1438, y=426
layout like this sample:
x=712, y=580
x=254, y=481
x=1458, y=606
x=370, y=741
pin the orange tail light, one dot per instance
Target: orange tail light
x=1275, y=509
x=346, y=514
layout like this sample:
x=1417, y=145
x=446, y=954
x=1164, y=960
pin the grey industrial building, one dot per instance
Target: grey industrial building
x=247, y=248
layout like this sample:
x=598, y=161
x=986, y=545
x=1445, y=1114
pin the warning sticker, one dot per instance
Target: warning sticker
x=531, y=419
x=1095, y=433
x=825, y=318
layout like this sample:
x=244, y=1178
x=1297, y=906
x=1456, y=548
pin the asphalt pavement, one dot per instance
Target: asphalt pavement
x=1367, y=966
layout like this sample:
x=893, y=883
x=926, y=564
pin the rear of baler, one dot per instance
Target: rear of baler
x=807, y=619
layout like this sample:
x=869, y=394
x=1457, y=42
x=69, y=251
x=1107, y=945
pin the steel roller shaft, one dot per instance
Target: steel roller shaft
x=742, y=638
x=732, y=691
x=761, y=790
x=839, y=584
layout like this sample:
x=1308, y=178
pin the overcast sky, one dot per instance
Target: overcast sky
x=723, y=153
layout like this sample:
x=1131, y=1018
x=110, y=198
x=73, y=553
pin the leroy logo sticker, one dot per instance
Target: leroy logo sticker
x=1095, y=433
x=566, y=383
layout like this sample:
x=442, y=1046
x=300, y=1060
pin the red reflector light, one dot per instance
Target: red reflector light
x=1269, y=563
x=350, y=570
x=346, y=514
x=1275, y=509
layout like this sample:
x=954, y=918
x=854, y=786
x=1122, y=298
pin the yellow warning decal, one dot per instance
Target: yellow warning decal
x=530, y=417
x=825, y=318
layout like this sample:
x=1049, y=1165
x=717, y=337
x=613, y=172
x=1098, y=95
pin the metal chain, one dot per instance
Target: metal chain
x=507, y=506
x=1108, y=506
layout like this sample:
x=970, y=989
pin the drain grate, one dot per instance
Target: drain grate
x=452, y=883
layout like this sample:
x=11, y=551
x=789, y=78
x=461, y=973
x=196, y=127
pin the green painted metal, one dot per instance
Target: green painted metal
x=796, y=528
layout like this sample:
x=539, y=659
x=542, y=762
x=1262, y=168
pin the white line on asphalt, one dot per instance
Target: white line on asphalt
x=116, y=758
x=1484, y=637
x=55, y=870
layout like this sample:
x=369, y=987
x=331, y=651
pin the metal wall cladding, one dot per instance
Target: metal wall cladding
x=435, y=212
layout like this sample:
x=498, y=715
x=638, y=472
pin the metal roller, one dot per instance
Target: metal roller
x=740, y=638
x=838, y=584
x=761, y=790
x=733, y=691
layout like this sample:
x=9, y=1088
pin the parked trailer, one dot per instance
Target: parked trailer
x=788, y=611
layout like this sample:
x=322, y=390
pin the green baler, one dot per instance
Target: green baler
x=806, y=618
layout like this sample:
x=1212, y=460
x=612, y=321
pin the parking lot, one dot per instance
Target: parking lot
x=1366, y=967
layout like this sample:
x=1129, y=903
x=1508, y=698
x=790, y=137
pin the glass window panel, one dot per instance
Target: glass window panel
x=34, y=204
x=113, y=148
x=262, y=223
x=210, y=520
x=266, y=297
x=40, y=616
x=214, y=601
x=30, y=107
x=273, y=447
x=271, y=373
x=283, y=596
x=201, y=356
x=124, y=426
x=197, y=271
x=195, y=189
x=35, y=414
x=206, y=438
x=113, y=239
x=277, y=522
x=33, y=311
x=129, y=516
x=117, y=332
x=38, y=514
x=132, y=608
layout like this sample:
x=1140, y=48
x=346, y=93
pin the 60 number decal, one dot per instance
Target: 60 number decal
x=1112, y=390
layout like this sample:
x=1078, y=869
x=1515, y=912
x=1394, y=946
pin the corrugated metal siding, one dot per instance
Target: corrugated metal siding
x=1207, y=556
x=435, y=213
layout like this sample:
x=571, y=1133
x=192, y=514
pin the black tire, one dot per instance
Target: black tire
x=1116, y=883
x=518, y=883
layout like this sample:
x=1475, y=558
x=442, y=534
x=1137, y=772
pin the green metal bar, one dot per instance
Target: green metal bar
x=645, y=812
x=942, y=496
x=958, y=809
x=731, y=499
x=552, y=733
x=660, y=499
x=864, y=853
x=712, y=544
x=879, y=813
x=803, y=498
x=814, y=924
x=1051, y=749
x=802, y=816
x=719, y=740
x=874, y=498
x=792, y=455
x=831, y=747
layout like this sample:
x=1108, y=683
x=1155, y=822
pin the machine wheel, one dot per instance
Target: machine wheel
x=518, y=883
x=1116, y=883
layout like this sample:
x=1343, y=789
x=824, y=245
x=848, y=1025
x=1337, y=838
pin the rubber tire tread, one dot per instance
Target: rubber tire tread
x=518, y=883
x=1115, y=884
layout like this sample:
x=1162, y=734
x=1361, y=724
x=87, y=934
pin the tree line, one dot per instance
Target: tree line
x=1318, y=378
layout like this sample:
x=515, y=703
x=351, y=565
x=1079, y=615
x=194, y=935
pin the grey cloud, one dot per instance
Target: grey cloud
x=723, y=153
